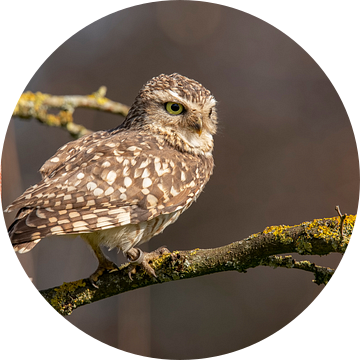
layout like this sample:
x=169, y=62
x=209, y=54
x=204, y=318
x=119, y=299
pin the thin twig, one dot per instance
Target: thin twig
x=37, y=104
x=322, y=274
x=342, y=219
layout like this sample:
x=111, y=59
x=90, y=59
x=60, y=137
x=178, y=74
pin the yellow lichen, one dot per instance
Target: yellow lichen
x=65, y=117
x=24, y=99
x=349, y=223
x=39, y=99
x=62, y=291
x=279, y=232
x=327, y=229
x=101, y=100
x=194, y=251
x=71, y=286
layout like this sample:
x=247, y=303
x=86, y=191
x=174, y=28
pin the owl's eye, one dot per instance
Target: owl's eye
x=174, y=108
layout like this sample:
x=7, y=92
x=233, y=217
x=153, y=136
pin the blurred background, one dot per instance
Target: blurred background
x=285, y=153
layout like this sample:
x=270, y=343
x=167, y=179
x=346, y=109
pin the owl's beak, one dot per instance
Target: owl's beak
x=198, y=126
x=195, y=123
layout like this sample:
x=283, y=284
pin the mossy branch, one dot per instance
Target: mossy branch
x=318, y=237
x=37, y=105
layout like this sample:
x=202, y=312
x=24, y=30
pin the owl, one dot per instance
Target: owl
x=118, y=188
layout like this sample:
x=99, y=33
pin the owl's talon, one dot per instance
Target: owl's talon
x=132, y=270
x=137, y=257
x=93, y=283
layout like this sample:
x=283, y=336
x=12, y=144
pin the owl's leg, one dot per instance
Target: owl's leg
x=138, y=257
x=105, y=265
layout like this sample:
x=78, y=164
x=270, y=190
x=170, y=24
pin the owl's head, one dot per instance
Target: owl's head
x=177, y=108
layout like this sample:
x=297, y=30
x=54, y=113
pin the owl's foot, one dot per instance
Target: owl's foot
x=104, y=266
x=137, y=257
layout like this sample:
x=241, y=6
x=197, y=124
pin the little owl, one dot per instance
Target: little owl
x=119, y=188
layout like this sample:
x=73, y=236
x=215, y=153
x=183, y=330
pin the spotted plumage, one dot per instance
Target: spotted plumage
x=121, y=187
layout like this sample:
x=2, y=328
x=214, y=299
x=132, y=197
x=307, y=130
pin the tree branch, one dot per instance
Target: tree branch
x=37, y=105
x=318, y=237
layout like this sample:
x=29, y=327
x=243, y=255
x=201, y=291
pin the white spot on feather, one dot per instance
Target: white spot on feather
x=183, y=176
x=146, y=182
x=127, y=181
x=109, y=191
x=89, y=216
x=56, y=229
x=173, y=192
x=74, y=214
x=144, y=163
x=111, y=177
x=152, y=200
x=98, y=191
x=146, y=173
x=91, y=186
x=80, y=225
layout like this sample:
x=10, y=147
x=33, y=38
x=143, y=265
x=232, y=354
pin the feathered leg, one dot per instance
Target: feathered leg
x=105, y=264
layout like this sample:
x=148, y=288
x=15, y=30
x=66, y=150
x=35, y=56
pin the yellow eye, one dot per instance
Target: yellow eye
x=174, y=108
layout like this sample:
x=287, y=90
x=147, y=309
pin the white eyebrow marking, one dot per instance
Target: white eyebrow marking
x=174, y=94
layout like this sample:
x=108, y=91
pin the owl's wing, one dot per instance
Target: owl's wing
x=122, y=179
x=70, y=152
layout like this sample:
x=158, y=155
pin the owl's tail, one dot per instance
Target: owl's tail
x=24, y=237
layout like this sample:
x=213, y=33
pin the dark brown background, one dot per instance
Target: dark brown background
x=285, y=153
